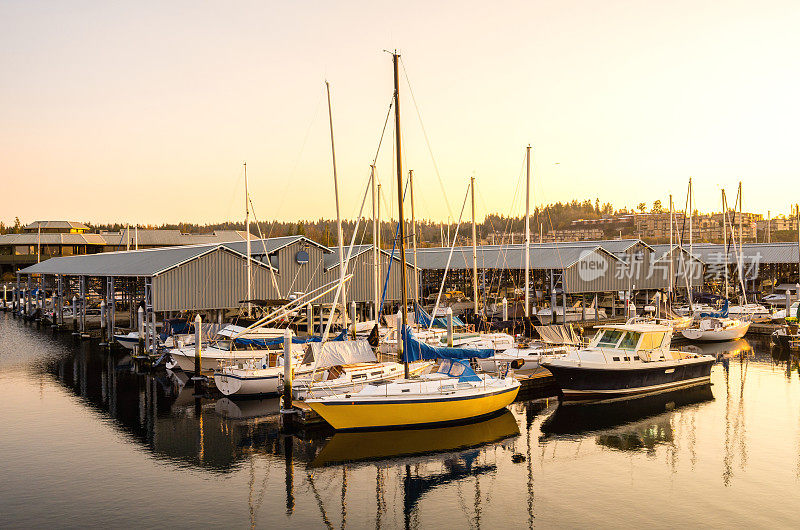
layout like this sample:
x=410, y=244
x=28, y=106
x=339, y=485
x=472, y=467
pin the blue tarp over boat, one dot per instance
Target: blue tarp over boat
x=424, y=320
x=414, y=350
x=722, y=313
x=279, y=340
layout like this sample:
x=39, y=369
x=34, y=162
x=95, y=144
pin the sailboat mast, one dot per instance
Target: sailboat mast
x=740, y=261
x=725, y=239
x=414, y=235
x=527, y=231
x=339, y=234
x=375, y=251
x=247, y=235
x=399, y=154
x=474, y=249
x=671, y=250
x=691, y=248
x=380, y=258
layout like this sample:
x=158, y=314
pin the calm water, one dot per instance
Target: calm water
x=87, y=441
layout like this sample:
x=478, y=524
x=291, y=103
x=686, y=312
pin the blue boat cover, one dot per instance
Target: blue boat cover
x=414, y=350
x=279, y=340
x=424, y=320
x=722, y=313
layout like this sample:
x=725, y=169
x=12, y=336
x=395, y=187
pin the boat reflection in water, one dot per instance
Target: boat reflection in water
x=249, y=409
x=720, y=350
x=629, y=425
x=350, y=447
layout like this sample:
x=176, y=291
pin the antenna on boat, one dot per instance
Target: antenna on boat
x=402, y=235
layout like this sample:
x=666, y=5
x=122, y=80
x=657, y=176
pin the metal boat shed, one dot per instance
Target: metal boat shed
x=208, y=278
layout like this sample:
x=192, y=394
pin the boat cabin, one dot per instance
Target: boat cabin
x=633, y=342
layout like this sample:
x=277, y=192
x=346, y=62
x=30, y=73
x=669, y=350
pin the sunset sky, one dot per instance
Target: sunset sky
x=144, y=111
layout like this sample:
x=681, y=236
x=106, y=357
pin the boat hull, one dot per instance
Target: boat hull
x=251, y=385
x=581, y=384
x=396, y=412
x=211, y=360
x=732, y=333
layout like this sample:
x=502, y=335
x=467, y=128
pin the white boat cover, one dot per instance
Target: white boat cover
x=557, y=334
x=231, y=330
x=327, y=354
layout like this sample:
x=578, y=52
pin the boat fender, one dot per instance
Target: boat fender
x=516, y=364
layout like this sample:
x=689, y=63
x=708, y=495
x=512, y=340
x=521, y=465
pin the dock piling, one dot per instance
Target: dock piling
x=74, y=307
x=103, y=323
x=505, y=309
x=198, y=325
x=140, y=322
x=449, y=313
x=287, y=411
x=353, y=319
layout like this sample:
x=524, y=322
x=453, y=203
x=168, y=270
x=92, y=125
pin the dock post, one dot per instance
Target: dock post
x=198, y=325
x=140, y=322
x=596, y=309
x=103, y=323
x=310, y=319
x=287, y=370
x=505, y=309
x=353, y=319
x=449, y=316
x=5, y=296
x=789, y=302
x=74, y=315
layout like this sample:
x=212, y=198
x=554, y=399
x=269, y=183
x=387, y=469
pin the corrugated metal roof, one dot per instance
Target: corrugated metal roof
x=33, y=238
x=764, y=253
x=542, y=256
x=148, y=237
x=61, y=225
x=332, y=259
x=145, y=262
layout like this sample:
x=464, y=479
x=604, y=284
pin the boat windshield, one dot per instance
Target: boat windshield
x=224, y=345
x=630, y=340
x=609, y=339
x=453, y=369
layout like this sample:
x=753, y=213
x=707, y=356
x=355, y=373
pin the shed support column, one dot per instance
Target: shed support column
x=583, y=306
x=563, y=304
x=59, y=319
x=553, y=301
x=111, y=308
x=83, y=305
x=596, y=309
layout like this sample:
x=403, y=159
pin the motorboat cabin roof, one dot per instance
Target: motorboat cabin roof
x=640, y=327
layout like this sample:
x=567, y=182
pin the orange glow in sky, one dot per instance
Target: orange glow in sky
x=144, y=111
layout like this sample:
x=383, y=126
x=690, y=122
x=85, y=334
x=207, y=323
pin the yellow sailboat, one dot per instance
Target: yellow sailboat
x=454, y=393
